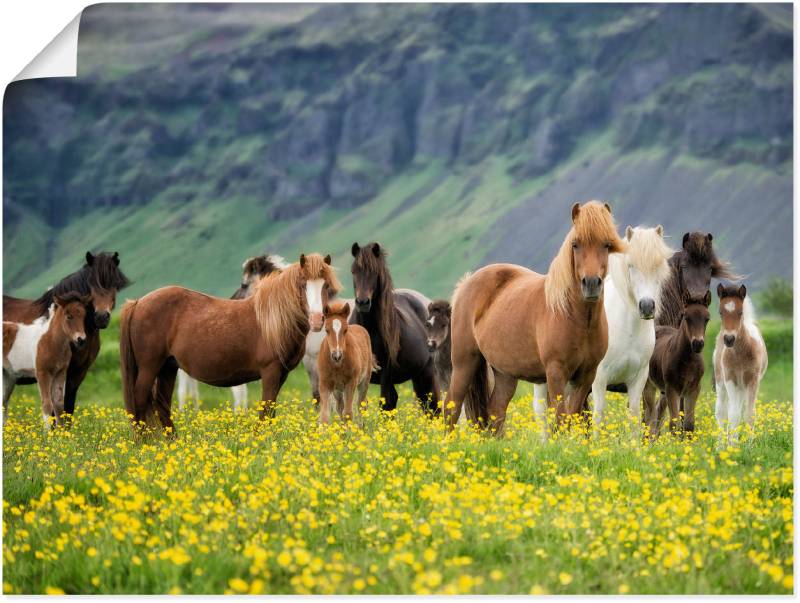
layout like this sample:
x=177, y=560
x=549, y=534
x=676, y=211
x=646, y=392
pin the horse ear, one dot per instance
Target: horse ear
x=302, y=260
x=58, y=301
x=328, y=259
x=346, y=309
x=115, y=257
x=89, y=258
x=86, y=299
x=742, y=291
x=628, y=232
x=710, y=237
x=449, y=310
x=576, y=209
x=707, y=299
x=720, y=290
x=685, y=239
x=376, y=249
x=355, y=249
x=660, y=230
x=608, y=207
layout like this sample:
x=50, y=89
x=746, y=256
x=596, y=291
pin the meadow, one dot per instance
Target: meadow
x=392, y=505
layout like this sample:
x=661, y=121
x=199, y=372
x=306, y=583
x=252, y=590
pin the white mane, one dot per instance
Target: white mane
x=278, y=261
x=648, y=253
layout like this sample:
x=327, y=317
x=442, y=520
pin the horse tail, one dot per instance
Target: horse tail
x=127, y=357
x=476, y=400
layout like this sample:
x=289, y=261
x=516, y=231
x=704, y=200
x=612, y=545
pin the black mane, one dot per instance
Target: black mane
x=103, y=273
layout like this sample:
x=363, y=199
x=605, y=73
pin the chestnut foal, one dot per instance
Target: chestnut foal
x=740, y=361
x=676, y=368
x=43, y=350
x=345, y=363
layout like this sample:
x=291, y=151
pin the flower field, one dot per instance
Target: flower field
x=392, y=506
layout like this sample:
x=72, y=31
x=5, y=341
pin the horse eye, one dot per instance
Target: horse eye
x=574, y=245
x=608, y=245
x=69, y=316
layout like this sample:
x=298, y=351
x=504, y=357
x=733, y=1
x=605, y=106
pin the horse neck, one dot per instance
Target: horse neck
x=587, y=314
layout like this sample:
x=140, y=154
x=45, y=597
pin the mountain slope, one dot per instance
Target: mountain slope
x=454, y=134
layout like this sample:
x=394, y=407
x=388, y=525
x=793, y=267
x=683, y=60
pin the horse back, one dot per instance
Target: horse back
x=20, y=310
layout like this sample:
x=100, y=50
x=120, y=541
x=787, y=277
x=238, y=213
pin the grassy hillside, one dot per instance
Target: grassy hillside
x=455, y=135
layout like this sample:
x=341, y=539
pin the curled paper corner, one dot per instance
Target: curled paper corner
x=59, y=58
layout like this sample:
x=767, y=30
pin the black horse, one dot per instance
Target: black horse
x=395, y=320
x=101, y=278
x=692, y=268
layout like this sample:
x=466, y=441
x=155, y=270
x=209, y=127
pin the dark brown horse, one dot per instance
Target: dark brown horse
x=676, y=368
x=395, y=320
x=542, y=328
x=99, y=277
x=438, y=328
x=692, y=268
x=222, y=342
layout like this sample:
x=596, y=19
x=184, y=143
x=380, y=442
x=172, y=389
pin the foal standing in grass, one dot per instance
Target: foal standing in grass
x=740, y=360
x=43, y=350
x=345, y=363
x=676, y=368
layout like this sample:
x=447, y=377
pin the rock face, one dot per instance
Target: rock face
x=327, y=109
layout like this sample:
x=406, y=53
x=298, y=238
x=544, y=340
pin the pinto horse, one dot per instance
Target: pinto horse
x=395, y=320
x=99, y=277
x=542, y=328
x=222, y=342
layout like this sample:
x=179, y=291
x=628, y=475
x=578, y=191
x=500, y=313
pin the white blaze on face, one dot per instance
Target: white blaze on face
x=314, y=299
x=431, y=321
x=337, y=328
x=730, y=306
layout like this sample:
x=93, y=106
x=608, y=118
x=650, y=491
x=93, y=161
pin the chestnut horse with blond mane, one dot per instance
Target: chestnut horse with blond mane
x=222, y=342
x=541, y=328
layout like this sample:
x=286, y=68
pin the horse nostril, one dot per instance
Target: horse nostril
x=431, y=345
x=647, y=307
x=697, y=345
x=729, y=340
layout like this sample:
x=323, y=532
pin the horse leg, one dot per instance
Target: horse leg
x=388, y=391
x=599, y=395
x=143, y=396
x=76, y=372
x=362, y=395
x=426, y=390
x=635, y=388
x=721, y=407
x=673, y=401
x=690, y=402
x=272, y=378
x=326, y=399
x=165, y=383
x=577, y=397
x=504, y=388
x=313, y=375
x=651, y=409
x=8, y=389
x=239, y=396
x=45, y=382
x=466, y=364
x=195, y=384
x=183, y=385
x=348, y=393
x=750, y=404
x=556, y=386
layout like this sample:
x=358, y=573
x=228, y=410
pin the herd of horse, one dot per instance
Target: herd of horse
x=618, y=313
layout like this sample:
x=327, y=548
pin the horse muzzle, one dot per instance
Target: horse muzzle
x=647, y=308
x=316, y=321
x=729, y=340
x=697, y=345
x=101, y=319
x=363, y=305
x=79, y=342
x=591, y=288
x=432, y=345
x=336, y=356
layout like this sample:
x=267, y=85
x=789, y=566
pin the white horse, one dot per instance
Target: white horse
x=631, y=294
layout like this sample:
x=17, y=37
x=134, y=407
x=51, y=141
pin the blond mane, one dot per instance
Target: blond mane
x=648, y=253
x=593, y=225
x=281, y=307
